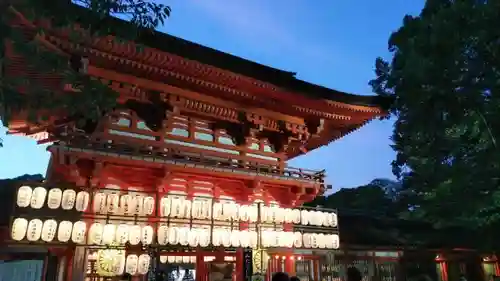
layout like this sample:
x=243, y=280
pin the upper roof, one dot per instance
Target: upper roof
x=209, y=56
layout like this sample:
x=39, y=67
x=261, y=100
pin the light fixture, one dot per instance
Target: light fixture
x=24, y=194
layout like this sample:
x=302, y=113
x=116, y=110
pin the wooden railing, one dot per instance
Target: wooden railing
x=206, y=158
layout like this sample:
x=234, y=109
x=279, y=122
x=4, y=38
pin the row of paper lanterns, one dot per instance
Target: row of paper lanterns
x=171, y=206
x=114, y=262
x=113, y=234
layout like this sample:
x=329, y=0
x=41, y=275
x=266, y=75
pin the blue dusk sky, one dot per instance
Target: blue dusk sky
x=333, y=43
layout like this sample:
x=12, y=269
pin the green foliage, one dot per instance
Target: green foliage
x=92, y=98
x=445, y=80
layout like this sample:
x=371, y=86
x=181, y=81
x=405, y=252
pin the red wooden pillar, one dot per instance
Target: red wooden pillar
x=289, y=257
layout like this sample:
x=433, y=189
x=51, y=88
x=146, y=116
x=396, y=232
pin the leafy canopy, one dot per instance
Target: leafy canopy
x=445, y=80
x=91, y=98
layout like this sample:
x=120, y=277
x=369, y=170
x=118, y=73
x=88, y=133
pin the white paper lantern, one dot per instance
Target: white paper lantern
x=49, y=230
x=196, y=209
x=139, y=204
x=288, y=215
x=229, y=211
x=204, y=237
x=54, y=198
x=178, y=259
x=268, y=238
x=288, y=239
x=122, y=234
x=235, y=238
x=333, y=241
x=162, y=235
x=68, y=199
x=149, y=205
x=82, y=201
x=99, y=203
x=264, y=213
x=186, y=208
x=185, y=259
x=24, y=194
x=19, y=228
x=226, y=238
x=279, y=215
x=165, y=205
x=132, y=205
x=119, y=266
x=78, y=234
x=134, y=235
x=109, y=234
x=113, y=203
x=34, y=230
x=243, y=213
x=217, y=211
x=217, y=237
x=147, y=233
x=304, y=217
x=244, y=238
x=253, y=213
x=253, y=239
x=38, y=197
x=296, y=216
x=171, y=259
x=332, y=219
x=192, y=259
x=206, y=210
x=143, y=264
x=173, y=235
x=131, y=264
x=321, y=240
x=163, y=259
x=64, y=232
x=183, y=236
x=193, y=237
x=297, y=240
x=235, y=212
x=95, y=235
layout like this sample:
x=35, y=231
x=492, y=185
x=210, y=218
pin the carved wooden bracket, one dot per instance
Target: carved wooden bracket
x=154, y=112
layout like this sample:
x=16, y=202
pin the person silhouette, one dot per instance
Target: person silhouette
x=353, y=274
x=280, y=276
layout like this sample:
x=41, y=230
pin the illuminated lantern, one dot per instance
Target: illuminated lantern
x=68, y=199
x=131, y=264
x=113, y=203
x=235, y=238
x=143, y=264
x=185, y=259
x=297, y=239
x=304, y=217
x=279, y=216
x=78, y=234
x=109, y=234
x=122, y=234
x=192, y=259
x=139, y=204
x=332, y=219
x=38, y=197
x=171, y=259
x=178, y=259
x=34, y=230
x=96, y=233
x=165, y=204
x=289, y=239
x=226, y=237
x=244, y=213
x=64, y=231
x=217, y=237
x=82, y=201
x=183, y=236
x=119, y=266
x=206, y=210
x=124, y=204
x=204, y=237
x=196, y=211
x=314, y=240
x=321, y=240
x=54, y=198
x=134, y=235
x=193, y=237
x=149, y=205
x=19, y=228
x=235, y=212
x=254, y=239
x=288, y=215
x=49, y=230
x=24, y=194
x=264, y=213
x=163, y=259
x=333, y=241
x=244, y=239
x=186, y=208
x=162, y=235
x=253, y=213
x=173, y=235
x=147, y=233
x=217, y=211
x=296, y=216
x=132, y=205
x=99, y=203
x=278, y=242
